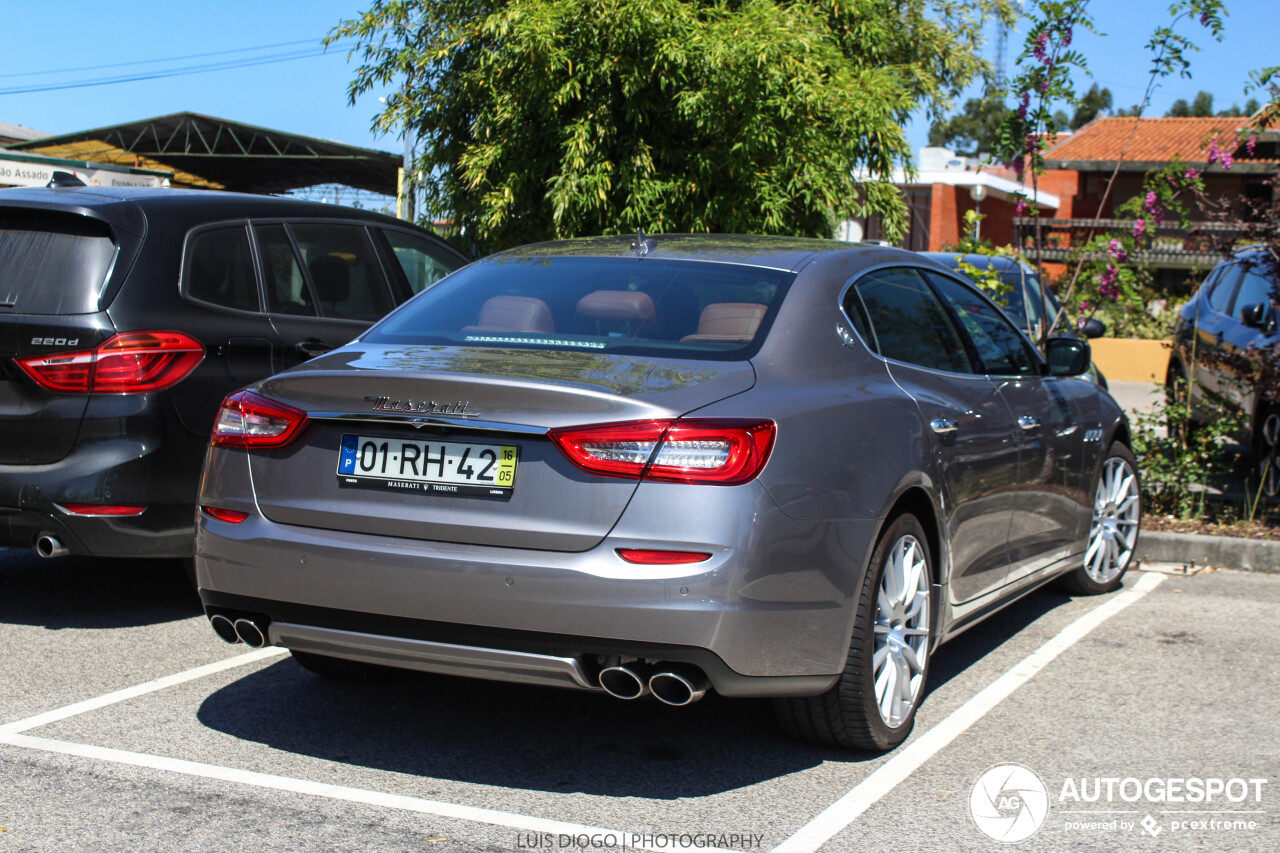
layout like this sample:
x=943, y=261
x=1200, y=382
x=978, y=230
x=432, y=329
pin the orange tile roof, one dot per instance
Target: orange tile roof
x=1156, y=140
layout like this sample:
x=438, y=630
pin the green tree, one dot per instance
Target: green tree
x=1091, y=103
x=1200, y=107
x=973, y=130
x=550, y=118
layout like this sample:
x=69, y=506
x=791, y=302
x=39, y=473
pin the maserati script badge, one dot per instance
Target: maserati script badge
x=422, y=407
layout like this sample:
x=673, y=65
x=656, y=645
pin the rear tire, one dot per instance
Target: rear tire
x=1265, y=481
x=873, y=705
x=341, y=669
x=1114, y=529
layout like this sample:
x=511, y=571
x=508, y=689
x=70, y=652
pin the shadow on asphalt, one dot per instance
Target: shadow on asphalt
x=545, y=739
x=92, y=592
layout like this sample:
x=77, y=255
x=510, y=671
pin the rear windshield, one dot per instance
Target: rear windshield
x=678, y=309
x=52, y=263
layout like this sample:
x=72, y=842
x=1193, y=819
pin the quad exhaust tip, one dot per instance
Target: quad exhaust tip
x=250, y=634
x=239, y=631
x=48, y=545
x=224, y=628
x=623, y=682
x=678, y=686
x=671, y=684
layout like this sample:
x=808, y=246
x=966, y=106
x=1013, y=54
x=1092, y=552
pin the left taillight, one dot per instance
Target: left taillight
x=248, y=420
x=127, y=363
x=700, y=451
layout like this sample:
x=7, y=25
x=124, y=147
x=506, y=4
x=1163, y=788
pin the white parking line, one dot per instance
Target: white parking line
x=807, y=840
x=629, y=840
x=866, y=793
x=133, y=692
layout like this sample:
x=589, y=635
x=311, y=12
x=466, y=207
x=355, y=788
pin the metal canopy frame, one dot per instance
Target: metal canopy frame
x=230, y=155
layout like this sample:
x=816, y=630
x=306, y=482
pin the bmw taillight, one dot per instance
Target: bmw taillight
x=700, y=451
x=248, y=420
x=127, y=363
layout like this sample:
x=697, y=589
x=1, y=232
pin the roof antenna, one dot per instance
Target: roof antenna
x=643, y=245
x=65, y=179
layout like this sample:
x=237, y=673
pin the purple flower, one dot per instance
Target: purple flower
x=1253, y=140
x=1227, y=160
x=1044, y=85
x=1107, y=283
x=1204, y=19
x=1191, y=174
x=1116, y=248
x=1021, y=207
x=1139, y=228
x=1085, y=304
x=1152, y=206
x=1066, y=37
x=1039, y=51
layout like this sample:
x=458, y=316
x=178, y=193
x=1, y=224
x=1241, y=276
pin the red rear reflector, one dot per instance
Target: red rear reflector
x=653, y=557
x=128, y=363
x=117, y=510
x=695, y=450
x=249, y=420
x=230, y=516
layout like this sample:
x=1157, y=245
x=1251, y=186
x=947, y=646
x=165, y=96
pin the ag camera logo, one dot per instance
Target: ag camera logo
x=1009, y=803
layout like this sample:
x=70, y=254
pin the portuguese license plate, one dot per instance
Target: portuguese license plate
x=430, y=467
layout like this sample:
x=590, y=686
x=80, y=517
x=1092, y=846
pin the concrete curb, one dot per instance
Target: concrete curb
x=1227, y=552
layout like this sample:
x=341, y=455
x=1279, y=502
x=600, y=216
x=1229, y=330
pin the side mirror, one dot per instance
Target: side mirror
x=1093, y=328
x=1066, y=356
x=1256, y=316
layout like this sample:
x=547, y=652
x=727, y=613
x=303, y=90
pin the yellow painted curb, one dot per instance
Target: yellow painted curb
x=1131, y=359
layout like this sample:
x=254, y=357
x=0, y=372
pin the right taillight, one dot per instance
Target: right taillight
x=700, y=451
x=127, y=363
x=248, y=420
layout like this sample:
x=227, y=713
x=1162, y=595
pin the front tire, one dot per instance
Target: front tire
x=873, y=705
x=1113, y=531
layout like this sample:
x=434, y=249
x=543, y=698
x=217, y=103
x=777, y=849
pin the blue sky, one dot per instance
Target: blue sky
x=308, y=95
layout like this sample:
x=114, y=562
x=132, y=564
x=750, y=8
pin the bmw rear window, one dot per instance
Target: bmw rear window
x=636, y=306
x=52, y=263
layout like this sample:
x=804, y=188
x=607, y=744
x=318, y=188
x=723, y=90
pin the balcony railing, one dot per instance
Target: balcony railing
x=1193, y=247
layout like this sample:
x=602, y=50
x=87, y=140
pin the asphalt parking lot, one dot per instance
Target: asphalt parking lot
x=1148, y=695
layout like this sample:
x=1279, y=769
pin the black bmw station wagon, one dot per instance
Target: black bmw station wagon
x=126, y=315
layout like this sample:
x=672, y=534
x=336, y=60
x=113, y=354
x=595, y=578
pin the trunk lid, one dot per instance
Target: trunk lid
x=474, y=399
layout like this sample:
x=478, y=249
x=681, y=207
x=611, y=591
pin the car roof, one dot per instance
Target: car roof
x=193, y=204
x=773, y=252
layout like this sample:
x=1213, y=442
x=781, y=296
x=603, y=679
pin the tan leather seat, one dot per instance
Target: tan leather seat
x=623, y=311
x=513, y=314
x=733, y=322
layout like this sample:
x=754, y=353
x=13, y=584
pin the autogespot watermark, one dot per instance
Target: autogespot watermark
x=1011, y=803
x=639, y=840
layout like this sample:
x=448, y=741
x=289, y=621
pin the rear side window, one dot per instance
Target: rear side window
x=219, y=269
x=677, y=309
x=906, y=321
x=1256, y=286
x=345, y=275
x=52, y=263
x=423, y=262
x=287, y=290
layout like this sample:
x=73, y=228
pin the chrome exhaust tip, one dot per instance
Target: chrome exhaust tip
x=224, y=628
x=250, y=634
x=48, y=545
x=679, y=687
x=621, y=682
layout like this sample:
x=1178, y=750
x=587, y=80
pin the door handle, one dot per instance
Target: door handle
x=312, y=347
x=1028, y=423
x=943, y=426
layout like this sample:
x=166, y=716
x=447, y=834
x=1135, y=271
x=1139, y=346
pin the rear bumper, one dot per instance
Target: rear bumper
x=128, y=452
x=769, y=614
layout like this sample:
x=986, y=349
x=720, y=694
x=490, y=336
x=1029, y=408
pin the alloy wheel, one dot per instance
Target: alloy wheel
x=901, y=631
x=1115, y=521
